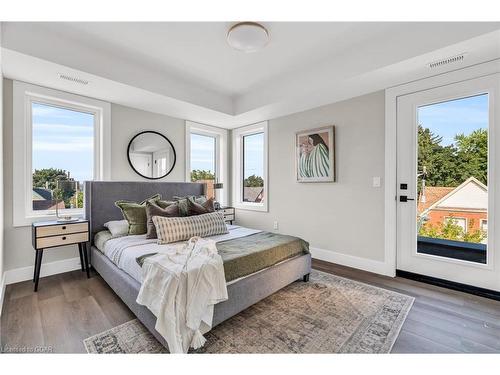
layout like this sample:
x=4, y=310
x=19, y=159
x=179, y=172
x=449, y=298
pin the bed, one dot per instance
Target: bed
x=248, y=282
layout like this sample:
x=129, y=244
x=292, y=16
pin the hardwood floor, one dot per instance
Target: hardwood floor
x=66, y=309
x=69, y=308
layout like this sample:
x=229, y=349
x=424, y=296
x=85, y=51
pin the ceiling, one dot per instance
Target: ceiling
x=188, y=70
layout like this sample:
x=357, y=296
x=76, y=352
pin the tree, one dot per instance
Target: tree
x=47, y=177
x=438, y=160
x=253, y=181
x=450, y=230
x=453, y=164
x=198, y=175
x=79, y=199
x=472, y=155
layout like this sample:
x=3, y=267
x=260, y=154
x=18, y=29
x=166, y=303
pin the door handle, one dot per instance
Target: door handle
x=404, y=198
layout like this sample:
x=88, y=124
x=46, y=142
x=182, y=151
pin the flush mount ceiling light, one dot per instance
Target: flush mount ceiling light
x=247, y=36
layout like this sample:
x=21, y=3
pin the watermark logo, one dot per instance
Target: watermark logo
x=26, y=349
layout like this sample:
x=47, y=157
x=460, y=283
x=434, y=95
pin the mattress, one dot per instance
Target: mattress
x=244, y=251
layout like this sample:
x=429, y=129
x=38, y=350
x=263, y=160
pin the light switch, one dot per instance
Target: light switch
x=376, y=182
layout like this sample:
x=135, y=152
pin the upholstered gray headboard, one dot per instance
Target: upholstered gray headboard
x=100, y=197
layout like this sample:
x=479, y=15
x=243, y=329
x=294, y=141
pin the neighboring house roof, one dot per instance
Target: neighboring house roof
x=47, y=205
x=253, y=194
x=472, y=194
x=432, y=195
x=41, y=194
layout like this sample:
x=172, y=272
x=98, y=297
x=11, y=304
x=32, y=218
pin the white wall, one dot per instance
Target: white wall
x=344, y=218
x=125, y=123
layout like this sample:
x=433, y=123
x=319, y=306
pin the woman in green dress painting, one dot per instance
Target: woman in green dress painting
x=314, y=158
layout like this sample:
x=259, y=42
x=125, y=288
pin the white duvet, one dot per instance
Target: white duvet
x=124, y=251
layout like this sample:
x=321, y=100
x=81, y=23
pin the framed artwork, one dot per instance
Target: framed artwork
x=315, y=155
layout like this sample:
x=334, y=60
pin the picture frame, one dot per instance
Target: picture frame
x=315, y=154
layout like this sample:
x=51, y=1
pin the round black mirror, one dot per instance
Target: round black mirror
x=151, y=155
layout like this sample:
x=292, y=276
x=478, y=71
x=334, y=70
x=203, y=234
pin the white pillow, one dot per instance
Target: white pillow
x=118, y=228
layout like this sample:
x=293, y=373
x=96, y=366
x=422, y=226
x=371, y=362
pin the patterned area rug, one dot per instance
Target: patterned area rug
x=328, y=314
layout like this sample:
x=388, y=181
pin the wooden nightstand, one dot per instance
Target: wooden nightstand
x=50, y=234
x=229, y=214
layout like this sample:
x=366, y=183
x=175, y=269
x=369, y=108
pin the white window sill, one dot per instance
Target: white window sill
x=251, y=207
x=30, y=219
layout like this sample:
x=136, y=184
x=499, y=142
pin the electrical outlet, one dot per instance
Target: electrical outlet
x=275, y=225
x=376, y=182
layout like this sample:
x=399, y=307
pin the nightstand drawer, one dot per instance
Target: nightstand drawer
x=228, y=217
x=54, y=230
x=68, y=239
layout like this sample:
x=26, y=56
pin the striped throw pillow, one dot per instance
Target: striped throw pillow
x=174, y=229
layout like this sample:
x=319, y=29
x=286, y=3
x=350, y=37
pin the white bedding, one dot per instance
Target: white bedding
x=181, y=290
x=123, y=251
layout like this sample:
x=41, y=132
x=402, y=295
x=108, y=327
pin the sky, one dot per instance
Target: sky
x=253, y=155
x=454, y=117
x=63, y=139
x=202, y=153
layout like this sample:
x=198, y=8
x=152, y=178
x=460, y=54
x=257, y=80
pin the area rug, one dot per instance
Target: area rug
x=328, y=314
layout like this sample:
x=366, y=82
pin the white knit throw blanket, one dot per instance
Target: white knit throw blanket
x=181, y=290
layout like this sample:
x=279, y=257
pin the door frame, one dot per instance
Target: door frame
x=390, y=186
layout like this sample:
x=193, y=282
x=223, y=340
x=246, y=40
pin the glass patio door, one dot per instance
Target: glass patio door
x=447, y=170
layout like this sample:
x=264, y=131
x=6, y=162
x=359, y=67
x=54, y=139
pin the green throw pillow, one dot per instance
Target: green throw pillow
x=183, y=204
x=135, y=214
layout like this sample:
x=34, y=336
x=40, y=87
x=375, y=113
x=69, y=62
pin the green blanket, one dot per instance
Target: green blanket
x=246, y=255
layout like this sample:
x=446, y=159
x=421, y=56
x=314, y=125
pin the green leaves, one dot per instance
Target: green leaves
x=46, y=178
x=451, y=165
x=253, y=181
x=472, y=155
x=198, y=175
x=58, y=182
x=450, y=230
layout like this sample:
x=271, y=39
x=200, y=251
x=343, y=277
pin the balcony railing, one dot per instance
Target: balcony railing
x=472, y=252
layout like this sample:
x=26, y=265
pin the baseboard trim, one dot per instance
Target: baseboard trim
x=481, y=292
x=364, y=264
x=52, y=268
x=2, y=292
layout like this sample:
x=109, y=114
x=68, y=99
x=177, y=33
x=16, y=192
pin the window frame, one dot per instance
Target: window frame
x=221, y=156
x=238, y=167
x=24, y=95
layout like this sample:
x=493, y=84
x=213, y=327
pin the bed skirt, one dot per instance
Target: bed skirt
x=242, y=293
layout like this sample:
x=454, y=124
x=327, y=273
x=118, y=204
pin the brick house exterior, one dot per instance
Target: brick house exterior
x=467, y=204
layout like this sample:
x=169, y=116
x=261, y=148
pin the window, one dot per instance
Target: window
x=206, y=158
x=61, y=139
x=484, y=226
x=253, y=168
x=452, y=175
x=250, y=167
x=62, y=156
x=203, y=161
